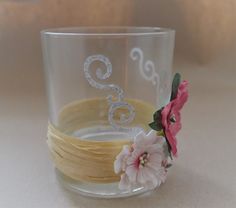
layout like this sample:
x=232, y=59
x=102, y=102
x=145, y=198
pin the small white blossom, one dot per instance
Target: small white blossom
x=143, y=163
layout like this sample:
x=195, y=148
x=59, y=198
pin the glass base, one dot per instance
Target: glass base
x=109, y=190
x=106, y=133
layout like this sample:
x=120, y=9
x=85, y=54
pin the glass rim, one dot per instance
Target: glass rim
x=108, y=31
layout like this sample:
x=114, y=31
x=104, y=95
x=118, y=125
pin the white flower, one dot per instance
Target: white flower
x=120, y=162
x=143, y=163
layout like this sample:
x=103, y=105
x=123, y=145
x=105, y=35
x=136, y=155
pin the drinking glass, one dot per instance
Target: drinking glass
x=103, y=84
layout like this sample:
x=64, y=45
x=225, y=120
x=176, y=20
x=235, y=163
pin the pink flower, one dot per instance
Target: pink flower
x=142, y=164
x=171, y=119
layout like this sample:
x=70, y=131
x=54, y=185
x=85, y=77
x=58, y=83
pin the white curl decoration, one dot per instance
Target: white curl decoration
x=147, y=69
x=114, y=105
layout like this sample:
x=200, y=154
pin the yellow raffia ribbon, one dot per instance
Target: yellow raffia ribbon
x=90, y=160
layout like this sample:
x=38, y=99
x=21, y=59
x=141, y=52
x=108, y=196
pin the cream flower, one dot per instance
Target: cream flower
x=142, y=163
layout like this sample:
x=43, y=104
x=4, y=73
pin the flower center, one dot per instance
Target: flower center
x=172, y=118
x=143, y=159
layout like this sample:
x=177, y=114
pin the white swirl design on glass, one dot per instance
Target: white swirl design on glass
x=115, y=104
x=147, y=68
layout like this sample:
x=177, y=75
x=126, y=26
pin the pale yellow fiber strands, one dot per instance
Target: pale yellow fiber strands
x=89, y=160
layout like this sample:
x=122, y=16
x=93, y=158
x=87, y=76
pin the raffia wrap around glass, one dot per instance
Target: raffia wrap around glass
x=89, y=160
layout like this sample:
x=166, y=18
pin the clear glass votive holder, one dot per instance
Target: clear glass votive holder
x=103, y=85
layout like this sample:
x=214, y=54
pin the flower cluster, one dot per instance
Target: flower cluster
x=143, y=163
x=168, y=118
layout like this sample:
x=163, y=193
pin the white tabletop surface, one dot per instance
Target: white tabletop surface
x=204, y=175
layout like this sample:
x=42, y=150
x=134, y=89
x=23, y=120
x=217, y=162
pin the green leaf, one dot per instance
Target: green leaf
x=156, y=126
x=153, y=125
x=161, y=133
x=175, y=85
x=157, y=115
